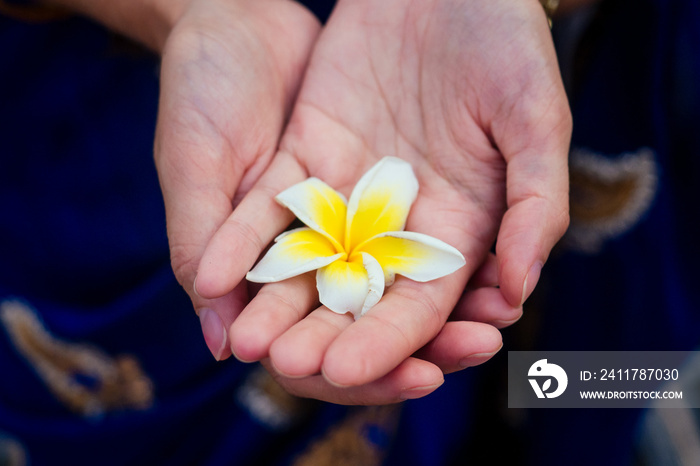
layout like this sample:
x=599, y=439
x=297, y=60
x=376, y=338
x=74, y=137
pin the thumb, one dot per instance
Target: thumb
x=538, y=197
x=195, y=208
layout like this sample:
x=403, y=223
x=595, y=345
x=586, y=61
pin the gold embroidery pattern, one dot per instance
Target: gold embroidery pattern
x=351, y=442
x=608, y=196
x=12, y=453
x=82, y=377
x=269, y=403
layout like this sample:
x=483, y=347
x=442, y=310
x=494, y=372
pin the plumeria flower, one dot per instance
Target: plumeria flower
x=357, y=247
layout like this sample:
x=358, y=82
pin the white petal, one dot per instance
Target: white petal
x=343, y=286
x=414, y=255
x=380, y=201
x=294, y=252
x=319, y=206
x=375, y=277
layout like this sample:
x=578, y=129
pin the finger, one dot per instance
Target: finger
x=216, y=315
x=529, y=231
x=531, y=127
x=300, y=351
x=219, y=125
x=197, y=200
x=486, y=274
x=537, y=195
x=408, y=316
x=487, y=305
x=413, y=378
x=460, y=345
x=194, y=210
x=273, y=311
x=255, y=222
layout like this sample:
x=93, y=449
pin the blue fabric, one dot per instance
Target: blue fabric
x=637, y=88
x=83, y=247
x=82, y=242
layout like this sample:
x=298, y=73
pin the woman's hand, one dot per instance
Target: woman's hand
x=230, y=73
x=469, y=93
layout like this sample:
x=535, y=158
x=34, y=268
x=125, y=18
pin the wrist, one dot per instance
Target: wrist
x=146, y=21
x=30, y=11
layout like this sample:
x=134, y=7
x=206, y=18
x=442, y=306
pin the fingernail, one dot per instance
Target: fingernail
x=418, y=392
x=506, y=323
x=214, y=332
x=478, y=358
x=331, y=381
x=194, y=286
x=242, y=359
x=531, y=280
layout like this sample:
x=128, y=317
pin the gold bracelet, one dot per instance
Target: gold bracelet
x=550, y=6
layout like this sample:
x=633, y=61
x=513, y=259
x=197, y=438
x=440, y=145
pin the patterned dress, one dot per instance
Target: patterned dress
x=625, y=276
x=102, y=360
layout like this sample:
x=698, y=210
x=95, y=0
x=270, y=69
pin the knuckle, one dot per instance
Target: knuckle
x=282, y=301
x=184, y=265
x=424, y=301
x=246, y=233
x=562, y=221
